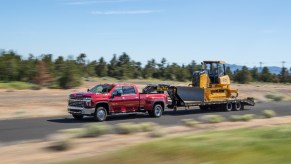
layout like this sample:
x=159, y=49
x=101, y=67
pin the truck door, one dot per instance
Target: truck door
x=116, y=101
x=130, y=98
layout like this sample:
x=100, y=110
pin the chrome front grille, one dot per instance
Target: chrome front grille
x=75, y=103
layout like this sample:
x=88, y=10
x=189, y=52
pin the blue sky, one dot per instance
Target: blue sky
x=243, y=32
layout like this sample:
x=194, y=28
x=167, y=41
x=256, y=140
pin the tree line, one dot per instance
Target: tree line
x=68, y=72
x=246, y=75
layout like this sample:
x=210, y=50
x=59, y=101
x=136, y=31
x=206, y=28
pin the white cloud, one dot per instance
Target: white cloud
x=132, y=12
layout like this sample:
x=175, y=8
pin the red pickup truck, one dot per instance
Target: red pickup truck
x=109, y=99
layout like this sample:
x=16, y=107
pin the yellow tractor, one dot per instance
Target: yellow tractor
x=214, y=80
x=210, y=89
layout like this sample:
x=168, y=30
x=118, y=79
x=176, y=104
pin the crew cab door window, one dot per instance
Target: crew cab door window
x=117, y=90
x=128, y=90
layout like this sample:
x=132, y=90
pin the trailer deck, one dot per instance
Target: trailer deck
x=183, y=96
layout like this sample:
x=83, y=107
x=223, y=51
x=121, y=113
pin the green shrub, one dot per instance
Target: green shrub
x=158, y=132
x=59, y=142
x=248, y=117
x=95, y=130
x=275, y=97
x=235, y=118
x=189, y=122
x=35, y=87
x=213, y=118
x=148, y=126
x=269, y=113
x=18, y=85
x=73, y=133
x=127, y=128
x=54, y=85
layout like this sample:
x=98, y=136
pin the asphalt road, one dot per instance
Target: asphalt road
x=39, y=128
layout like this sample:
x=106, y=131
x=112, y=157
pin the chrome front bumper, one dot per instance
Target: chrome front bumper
x=80, y=110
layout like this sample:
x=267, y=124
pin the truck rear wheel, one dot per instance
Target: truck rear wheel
x=157, y=111
x=100, y=114
x=77, y=117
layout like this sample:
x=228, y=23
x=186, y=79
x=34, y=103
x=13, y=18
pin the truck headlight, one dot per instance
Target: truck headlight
x=87, y=101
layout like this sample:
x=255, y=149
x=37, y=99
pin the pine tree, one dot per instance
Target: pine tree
x=101, y=68
x=125, y=67
x=150, y=70
x=266, y=76
x=284, y=75
x=43, y=76
x=255, y=74
x=91, y=68
x=243, y=76
x=112, y=67
x=229, y=72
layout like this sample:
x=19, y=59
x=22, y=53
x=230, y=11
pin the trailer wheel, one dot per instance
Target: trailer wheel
x=157, y=111
x=237, y=106
x=100, y=114
x=228, y=107
x=77, y=117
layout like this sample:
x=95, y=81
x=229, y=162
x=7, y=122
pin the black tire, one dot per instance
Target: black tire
x=77, y=117
x=228, y=107
x=100, y=114
x=157, y=111
x=237, y=106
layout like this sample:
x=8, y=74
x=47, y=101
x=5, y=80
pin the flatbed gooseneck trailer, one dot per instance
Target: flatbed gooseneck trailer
x=210, y=89
x=190, y=96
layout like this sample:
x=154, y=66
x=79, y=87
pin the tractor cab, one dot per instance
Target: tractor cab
x=211, y=75
x=214, y=69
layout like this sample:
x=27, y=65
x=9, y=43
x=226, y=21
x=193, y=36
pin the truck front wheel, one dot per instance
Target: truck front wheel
x=157, y=111
x=100, y=114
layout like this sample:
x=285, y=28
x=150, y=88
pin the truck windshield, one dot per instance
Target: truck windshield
x=101, y=88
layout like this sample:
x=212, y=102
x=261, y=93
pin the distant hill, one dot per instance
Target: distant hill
x=273, y=69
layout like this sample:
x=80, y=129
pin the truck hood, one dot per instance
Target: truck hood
x=87, y=94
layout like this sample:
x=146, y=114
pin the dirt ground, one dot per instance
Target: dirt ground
x=29, y=152
x=53, y=102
